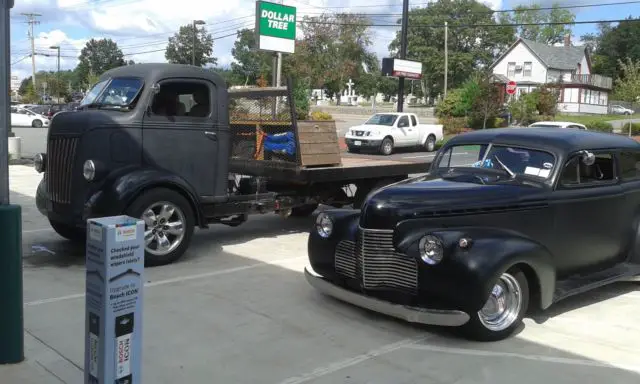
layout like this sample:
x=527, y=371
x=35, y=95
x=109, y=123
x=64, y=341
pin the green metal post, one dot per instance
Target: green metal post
x=12, y=318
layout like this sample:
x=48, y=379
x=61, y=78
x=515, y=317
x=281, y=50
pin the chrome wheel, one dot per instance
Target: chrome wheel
x=387, y=146
x=503, y=306
x=164, y=228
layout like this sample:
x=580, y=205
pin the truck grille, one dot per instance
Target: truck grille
x=374, y=260
x=61, y=152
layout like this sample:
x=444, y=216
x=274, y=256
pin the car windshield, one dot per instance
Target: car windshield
x=382, y=119
x=516, y=161
x=116, y=92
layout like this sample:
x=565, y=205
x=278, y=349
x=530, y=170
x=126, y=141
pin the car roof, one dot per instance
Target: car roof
x=557, y=123
x=153, y=72
x=562, y=140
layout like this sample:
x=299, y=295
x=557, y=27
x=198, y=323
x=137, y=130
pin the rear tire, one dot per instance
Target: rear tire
x=492, y=323
x=304, y=210
x=430, y=144
x=169, y=221
x=69, y=232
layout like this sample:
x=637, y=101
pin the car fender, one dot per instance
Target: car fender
x=491, y=252
x=121, y=187
x=429, y=129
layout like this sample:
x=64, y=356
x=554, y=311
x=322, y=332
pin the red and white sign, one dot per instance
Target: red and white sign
x=511, y=87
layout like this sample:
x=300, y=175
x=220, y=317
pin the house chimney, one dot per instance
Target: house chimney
x=567, y=40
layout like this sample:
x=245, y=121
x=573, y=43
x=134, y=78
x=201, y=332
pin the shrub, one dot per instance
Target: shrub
x=599, y=125
x=319, y=115
x=453, y=125
x=635, y=129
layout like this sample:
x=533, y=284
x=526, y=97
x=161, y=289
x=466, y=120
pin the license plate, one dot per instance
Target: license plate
x=357, y=142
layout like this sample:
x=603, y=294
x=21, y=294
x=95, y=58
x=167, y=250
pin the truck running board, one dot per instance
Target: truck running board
x=577, y=284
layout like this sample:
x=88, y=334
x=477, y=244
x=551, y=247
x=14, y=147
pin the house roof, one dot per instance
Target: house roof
x=564, y=58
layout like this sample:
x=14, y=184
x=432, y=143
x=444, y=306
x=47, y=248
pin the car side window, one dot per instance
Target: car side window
x=576, y=173
x=14, y=110
x=630, y=165
x=414, y=122
x=403, y=122
x=184, y=99
x=575, y=127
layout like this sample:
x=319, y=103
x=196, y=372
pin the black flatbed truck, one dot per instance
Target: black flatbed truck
x=172, y=145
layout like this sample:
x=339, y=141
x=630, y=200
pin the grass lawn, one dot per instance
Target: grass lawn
x=582, y=119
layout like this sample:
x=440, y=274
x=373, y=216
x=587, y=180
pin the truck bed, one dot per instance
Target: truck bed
x=351, y=169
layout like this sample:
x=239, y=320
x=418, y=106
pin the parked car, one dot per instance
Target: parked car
x=22, y=117
x=383, y=132
x=558, y=124
x=620, y=110
x=505, y=221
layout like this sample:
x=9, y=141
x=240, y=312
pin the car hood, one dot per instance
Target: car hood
x=429, y=197
x=77, y=122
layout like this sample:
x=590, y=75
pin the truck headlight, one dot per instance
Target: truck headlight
x=39, y=162
x=431, y=249
x=324, y=225
x=89, y=170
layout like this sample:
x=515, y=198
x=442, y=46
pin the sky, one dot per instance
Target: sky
x=141, y=27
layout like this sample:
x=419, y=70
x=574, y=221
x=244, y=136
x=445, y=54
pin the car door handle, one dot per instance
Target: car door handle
x=211, y=135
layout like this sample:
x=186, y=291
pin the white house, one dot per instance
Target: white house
x=531, y=64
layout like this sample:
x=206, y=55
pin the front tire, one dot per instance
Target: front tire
x=169, y=224
x=386, y=148
x=36, y=123
x=503, y=312
x=69, y=232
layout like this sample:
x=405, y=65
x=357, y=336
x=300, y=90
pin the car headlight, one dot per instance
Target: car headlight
x=431, y=249
x=39, y=162
x=324, y=225
x=89, y=170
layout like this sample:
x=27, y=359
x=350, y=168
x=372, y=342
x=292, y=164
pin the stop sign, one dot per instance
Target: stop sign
x=511, y=87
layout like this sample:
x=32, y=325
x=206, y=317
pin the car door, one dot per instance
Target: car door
x=587, y=203
x=21, y=118
x=402, y=131
x=182, y=138
x=414, y=131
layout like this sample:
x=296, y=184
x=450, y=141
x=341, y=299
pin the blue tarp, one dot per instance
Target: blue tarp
x=284, y=143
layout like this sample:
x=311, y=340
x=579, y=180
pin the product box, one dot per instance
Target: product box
x=114, y=285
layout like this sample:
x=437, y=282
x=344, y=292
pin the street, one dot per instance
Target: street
x=232, y=312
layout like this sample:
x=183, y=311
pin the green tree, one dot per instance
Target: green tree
x=533, y=16
x=251, y=63
x=181, y=46
x=627, y=86
x=468, y=48
x=618, y=42
x=98, y=56
x=332, y=50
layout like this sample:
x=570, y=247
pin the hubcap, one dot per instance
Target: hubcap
x=387, y=147
x=164, y=228
x=503, y=306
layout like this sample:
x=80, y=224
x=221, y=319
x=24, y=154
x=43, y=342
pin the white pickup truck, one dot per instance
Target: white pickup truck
x=385, y=131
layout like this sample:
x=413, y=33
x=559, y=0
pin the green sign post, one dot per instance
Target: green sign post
x=275, y=27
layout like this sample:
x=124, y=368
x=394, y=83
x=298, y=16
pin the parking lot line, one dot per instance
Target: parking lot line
x=175, y=279
x=336, y=366
x=540, y=358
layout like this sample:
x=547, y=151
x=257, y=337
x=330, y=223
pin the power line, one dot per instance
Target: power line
x=496, y=25
x=164, y=49
x=20, y=60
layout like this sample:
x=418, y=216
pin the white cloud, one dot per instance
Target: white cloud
x=139, y=26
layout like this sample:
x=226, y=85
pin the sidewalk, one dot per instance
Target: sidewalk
x=42, y=365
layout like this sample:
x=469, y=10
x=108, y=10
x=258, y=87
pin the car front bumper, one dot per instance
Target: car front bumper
x=352, y=142
x=452, y=318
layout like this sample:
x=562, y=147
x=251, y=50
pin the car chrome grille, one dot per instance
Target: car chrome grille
x=61, y=152
x=373, y=259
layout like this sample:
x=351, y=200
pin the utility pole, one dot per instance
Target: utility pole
x=195, y=39
x=403, y=50
x=58, y=72
x=12, y=319
x=446, y=56
x=31, y=20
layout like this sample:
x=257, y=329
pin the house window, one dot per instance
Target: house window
x=511, y=70
x=527, y=69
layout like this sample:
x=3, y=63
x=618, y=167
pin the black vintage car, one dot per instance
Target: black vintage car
x=506, y=221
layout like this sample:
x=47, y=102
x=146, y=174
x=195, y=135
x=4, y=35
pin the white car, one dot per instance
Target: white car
x=385, y=131
x=620, y=110
x=558, y=124
x=21, y=117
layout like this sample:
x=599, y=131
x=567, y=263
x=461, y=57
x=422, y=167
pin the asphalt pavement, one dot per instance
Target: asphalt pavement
x=237, y=309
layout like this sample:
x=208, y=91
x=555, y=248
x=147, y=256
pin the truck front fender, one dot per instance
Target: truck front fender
x=123, y=186
x=468, y=274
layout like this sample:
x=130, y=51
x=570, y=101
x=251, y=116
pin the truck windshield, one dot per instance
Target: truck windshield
x=118, y=92
x=382, y=119
x=514, y=160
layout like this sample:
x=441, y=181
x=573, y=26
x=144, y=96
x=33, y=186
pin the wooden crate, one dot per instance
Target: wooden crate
x=319, y=144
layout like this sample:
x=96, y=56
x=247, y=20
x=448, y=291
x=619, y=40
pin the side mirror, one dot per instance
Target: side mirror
x=588, y=158
x=155, y=88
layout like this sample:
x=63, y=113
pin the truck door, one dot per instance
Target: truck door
x=180, y=133
x=403, y=132
x=414, y=131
